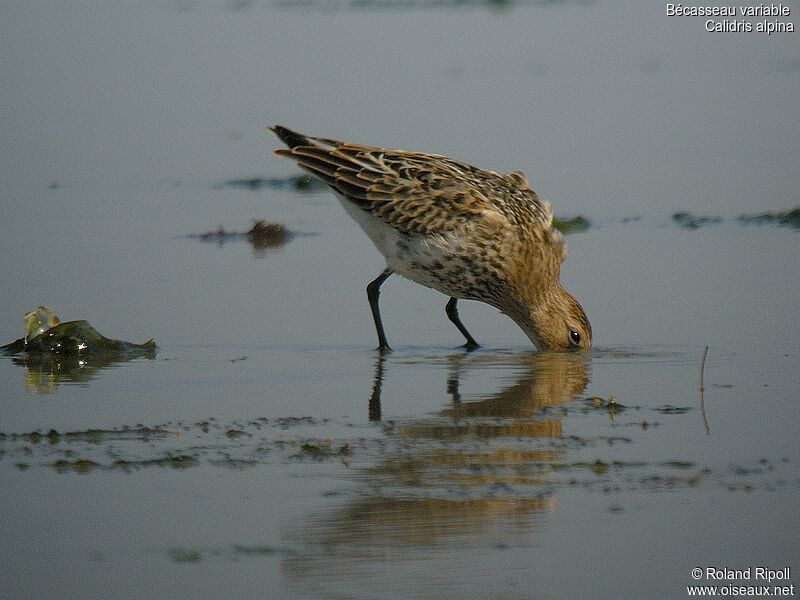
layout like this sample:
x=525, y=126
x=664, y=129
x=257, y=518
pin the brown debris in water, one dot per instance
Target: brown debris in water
x=261, y=235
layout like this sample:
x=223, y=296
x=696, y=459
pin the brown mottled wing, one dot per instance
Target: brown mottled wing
x=415, y=193
x=420, y=193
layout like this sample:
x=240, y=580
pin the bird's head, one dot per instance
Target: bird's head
x=555, y=321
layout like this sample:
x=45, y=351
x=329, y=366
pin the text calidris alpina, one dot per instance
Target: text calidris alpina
x=469, y=233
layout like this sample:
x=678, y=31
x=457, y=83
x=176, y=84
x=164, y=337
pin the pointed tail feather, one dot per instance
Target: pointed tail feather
x=289, y=137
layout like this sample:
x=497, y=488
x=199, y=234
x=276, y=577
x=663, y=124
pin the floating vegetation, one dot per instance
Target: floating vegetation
x=240, y=549
x=325, y=449
x=234, y=553
x=267, y=235
x=82, y=466
x=299, y=183
x=689, y=221
x=236, y=445
x=668, y=409
x=610, y=404
x=790, y=218
x=184, y=555
x=678, y=464
x=783, y=219
x=288, y=422
x=46, y=334
x=172, y=461
x=575, y=225
x=261, y=236
x=414, y=466
x=74, y=351
x=91, y=436
x=233, y=434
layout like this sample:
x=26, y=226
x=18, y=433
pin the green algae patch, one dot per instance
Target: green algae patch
x=578, y=224
x=668, y=409
x=784, y=219
x=678, y=464
x=233, y=434
x=242, y=550
x=598, y=467
x=81, y=466
x=237, y=464
x=234, y=552
x=174, y=461
x=610, y=404
x=288, y=422
x=92, y=436
x=687, y=220
x=184, y=555
x=177, y=462
x=325, y=449
x=317, y=449
x=304, y=184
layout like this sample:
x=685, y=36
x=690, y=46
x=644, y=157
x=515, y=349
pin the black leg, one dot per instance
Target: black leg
x=452, y=313
x=373, y=293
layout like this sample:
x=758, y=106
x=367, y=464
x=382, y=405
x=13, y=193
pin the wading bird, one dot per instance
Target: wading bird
x=469, y=233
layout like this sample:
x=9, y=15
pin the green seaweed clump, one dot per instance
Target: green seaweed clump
x=299, y=183
x=668, y=409
x=323, y=449
x=254, y=550
x=46, y=334
x=785, y=219
x=576, y=225
x=185, y=555
x=54, y=351
x=689, y=221
x=81, y=466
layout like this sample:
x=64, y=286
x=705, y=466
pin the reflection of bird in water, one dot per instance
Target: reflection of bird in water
x=476, y=469
x=466, y=232
x=548, y=379
x=440, y=451
x=507, y=418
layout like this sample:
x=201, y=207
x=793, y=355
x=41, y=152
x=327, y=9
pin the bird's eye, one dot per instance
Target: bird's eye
x=574, y=337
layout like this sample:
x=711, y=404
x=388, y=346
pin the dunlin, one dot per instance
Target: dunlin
x=469, y=233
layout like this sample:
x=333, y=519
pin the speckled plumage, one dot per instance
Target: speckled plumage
x=467, y=232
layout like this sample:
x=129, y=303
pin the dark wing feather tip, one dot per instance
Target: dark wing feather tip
x=289, y=137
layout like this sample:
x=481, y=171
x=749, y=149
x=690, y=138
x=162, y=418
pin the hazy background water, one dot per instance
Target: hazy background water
x=121, y=123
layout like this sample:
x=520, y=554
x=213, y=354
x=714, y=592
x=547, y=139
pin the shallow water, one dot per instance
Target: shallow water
x=267, y=450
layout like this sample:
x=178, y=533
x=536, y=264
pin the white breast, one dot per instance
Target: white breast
x=435, y=261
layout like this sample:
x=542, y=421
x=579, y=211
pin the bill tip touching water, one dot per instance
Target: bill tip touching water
x=469, y=233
